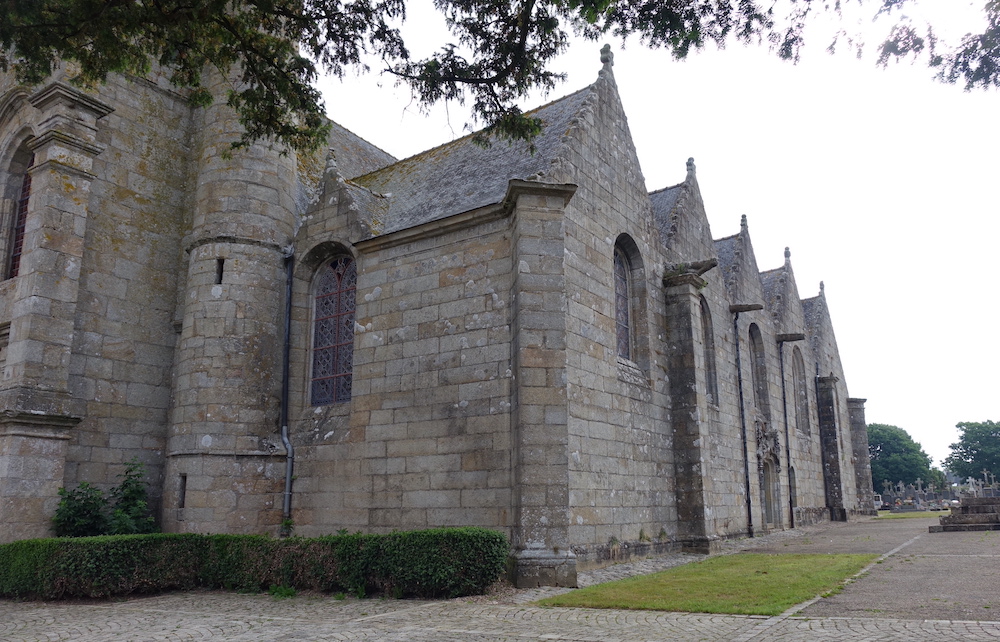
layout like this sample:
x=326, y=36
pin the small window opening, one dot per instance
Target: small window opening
x=182, y=493
x=220, y=267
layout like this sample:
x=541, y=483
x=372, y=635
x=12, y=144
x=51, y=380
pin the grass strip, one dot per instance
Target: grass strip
x=744, y=584
x=913, y=515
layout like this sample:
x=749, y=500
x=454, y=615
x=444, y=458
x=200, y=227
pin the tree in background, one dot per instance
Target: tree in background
x=977, y=449
x=895, y=457
x=502, y=49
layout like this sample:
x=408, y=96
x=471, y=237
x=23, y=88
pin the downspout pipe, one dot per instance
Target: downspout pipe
x=735, y=309
x=782, y=338
x=286, y=504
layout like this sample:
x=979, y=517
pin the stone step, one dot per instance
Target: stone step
x=982, y=518
x=958, y=528
x=984, y=509
x=980, y=501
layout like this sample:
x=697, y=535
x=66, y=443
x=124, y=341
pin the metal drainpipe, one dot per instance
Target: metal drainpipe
x=285, y=358
x=788, y=450
x=743, y=423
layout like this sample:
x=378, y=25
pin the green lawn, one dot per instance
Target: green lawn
x=923, y=514
x=746, y=583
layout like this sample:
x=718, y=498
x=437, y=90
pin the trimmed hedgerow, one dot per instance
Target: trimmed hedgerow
x=433, y=563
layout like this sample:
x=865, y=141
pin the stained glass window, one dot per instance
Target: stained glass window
x=622, y=306
x=333, y=332
x=17, y=230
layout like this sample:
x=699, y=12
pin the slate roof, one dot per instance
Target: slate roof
x=461, y=176
x=772, y=282
x=353, y=154
x=664, y=201
x=812, y=309
x=725, y=248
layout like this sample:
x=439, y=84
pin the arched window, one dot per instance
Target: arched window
x=708, y=344
x=801, y=392
x=758, y=370
x=333, y=332
x=623, y=304
x=15, y=239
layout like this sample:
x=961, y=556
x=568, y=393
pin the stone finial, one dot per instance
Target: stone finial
x=607, y=57
x=821, y=287
x=788, y=255
x=691, y=167
x=743, y=223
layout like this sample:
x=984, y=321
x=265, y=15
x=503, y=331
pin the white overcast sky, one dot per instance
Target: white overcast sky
x=883, y=183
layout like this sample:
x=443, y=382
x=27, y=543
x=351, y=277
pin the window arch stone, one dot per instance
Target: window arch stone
x=631, y=343
x=801, y=392
x=708, y=346
x=758, y=369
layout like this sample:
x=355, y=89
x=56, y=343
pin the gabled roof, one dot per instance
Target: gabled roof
x=664, y=201
x=461, y=176
x=680, y=218
x=353, y=154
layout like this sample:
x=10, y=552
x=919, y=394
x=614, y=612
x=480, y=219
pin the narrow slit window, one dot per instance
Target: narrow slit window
x=182, y=491
x=220, y=267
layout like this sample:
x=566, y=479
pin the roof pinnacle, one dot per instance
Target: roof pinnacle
x=607, y=57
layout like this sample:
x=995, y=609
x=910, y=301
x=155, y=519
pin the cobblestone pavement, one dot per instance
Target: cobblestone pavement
x=510, y=616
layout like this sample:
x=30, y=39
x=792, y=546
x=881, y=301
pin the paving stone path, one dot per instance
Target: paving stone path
x=908, y=571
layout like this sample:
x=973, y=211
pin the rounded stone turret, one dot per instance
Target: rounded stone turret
x=225, y=463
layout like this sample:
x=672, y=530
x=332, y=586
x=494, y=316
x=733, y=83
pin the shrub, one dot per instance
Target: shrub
x=440, y=562
x=130, y=509
x=82, y=512
x=86, y=512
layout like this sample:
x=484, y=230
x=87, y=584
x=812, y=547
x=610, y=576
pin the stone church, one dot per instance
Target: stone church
x=528, y=342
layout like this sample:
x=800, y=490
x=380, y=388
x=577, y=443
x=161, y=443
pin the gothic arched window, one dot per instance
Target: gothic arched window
x=333, y=332
x=623, y=305
x=800, y=391
x=708, y=345
x=758, y=370
x=15, y=243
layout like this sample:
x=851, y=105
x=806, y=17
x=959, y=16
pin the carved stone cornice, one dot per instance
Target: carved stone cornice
x=61, y=92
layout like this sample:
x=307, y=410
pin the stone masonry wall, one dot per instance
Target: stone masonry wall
x=124, y=338
x=425, y=439
x=620, y=457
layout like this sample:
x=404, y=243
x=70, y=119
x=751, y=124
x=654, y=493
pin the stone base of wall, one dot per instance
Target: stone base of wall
x=223, y=493
x=533, y=568
x=593, y=557
x=32, y=459
x=809, y=516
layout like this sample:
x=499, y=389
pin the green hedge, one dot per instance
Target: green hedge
x=432, y=563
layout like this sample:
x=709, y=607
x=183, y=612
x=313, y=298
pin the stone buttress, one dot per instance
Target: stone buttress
x=38, y=410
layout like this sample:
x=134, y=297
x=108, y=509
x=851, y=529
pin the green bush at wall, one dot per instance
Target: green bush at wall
x=432, y=563
x=85, y=511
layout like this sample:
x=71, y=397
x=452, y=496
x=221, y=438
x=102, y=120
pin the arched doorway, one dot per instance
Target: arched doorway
x=772, y=493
